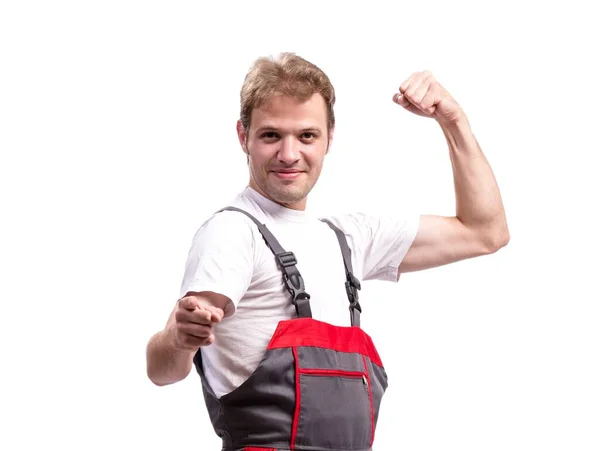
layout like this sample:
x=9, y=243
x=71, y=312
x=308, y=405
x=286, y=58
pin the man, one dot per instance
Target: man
x=269, y=331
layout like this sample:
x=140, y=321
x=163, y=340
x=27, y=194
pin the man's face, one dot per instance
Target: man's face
x=286, y=144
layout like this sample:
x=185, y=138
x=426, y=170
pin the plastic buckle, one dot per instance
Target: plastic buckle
x=354, y=282
x=297, y=293
x=286, y=259
x=352, y=293
x=300, y=298
x=294, y=283
x=293, y=279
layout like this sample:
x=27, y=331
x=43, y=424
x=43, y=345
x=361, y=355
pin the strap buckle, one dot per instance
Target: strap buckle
x=294, y=283
x=352, y=287
x=354, y=281
x=286, y=259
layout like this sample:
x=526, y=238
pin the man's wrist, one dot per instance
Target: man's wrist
x=459, y=134
x=174, y=345
x=458, y=125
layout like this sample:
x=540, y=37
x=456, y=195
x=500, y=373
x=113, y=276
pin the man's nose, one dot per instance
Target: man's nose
x=290, y=150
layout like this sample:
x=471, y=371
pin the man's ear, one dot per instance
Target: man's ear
x=329, y=140
x=242, y=135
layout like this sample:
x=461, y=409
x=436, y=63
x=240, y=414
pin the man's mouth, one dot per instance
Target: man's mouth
x=287, y=173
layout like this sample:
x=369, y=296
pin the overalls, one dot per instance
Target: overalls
x=318, y=386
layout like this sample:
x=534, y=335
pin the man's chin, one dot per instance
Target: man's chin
x=287, y=194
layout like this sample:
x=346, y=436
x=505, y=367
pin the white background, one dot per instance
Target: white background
x=117, y=138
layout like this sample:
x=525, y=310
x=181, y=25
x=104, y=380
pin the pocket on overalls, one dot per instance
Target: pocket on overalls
x=334, y=409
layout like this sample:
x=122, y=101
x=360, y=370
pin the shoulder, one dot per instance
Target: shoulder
x=368, y=225
x=378, y=241
x=225, y=229
x=227, y=220
x=354, y=226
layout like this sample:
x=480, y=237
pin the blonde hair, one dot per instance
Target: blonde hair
x=288, y=75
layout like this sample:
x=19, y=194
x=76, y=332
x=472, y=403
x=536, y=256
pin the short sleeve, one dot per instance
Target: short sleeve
x=221, y=257
x=380, y=242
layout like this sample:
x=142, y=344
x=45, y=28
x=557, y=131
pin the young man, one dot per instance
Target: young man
x=270, y=333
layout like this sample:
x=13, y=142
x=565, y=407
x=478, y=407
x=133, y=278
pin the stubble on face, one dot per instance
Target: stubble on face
x=272, y=181
x=286, y=149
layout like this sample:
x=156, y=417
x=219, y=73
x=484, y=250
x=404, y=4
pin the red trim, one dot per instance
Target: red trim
x=370, y=401
x=333, y=373
x=297, y=411
x=311, y=332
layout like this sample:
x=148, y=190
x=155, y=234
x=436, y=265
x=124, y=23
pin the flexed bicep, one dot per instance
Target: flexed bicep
x=441, y=240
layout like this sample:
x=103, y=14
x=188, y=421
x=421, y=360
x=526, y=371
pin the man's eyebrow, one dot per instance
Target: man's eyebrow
x=274, y=128
x=266, y=127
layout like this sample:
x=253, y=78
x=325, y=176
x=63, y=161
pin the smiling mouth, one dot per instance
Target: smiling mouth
x=287, y=174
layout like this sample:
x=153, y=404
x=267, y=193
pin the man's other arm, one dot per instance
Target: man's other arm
x=480, y=225
x=170, y=352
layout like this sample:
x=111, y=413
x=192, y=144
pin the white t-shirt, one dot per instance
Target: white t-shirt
x=229, y=256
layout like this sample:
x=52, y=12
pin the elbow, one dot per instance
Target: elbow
x=153, y=377
x=152, y=374
x=160, y=377
x=496, y=240
x=155, y=369
x=163, y=370
x=160, y=383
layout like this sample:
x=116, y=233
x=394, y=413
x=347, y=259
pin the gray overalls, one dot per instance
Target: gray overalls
x=318, y=386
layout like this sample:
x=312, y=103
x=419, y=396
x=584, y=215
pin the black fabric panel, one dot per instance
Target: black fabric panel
x=260, y=411
x=213, y=405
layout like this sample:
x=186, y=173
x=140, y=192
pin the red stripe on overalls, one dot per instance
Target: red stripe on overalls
x=297, y=412
x=370, y=400
x=253, y=448
x=311, y=332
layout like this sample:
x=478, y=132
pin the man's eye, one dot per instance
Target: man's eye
x=269, y=135
x=308, y=135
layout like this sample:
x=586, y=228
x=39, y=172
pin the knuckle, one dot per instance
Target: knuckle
x=181, y=332
x=189, y=298
x=179, y=315
x=189, y=340
x=202, y=330
x=182, y=339
x=202, y=316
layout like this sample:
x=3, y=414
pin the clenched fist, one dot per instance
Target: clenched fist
x=194, y=321
x=423, y=95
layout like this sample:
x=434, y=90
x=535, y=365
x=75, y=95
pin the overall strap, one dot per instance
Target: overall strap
x=352, y=283
x=287, y=263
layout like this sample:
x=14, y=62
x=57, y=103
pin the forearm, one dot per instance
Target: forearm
x=165, y=364
x=478, y=201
